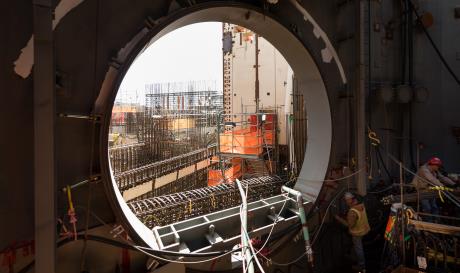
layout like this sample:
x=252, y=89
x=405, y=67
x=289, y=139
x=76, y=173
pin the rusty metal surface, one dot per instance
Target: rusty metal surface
x=167, y=209
x=127, y=178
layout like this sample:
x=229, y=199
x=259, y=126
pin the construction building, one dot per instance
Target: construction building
x=333, y=144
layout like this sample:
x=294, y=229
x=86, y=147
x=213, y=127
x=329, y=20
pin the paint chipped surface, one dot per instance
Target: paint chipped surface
x=326, y=55
x=123, y=53
x=23, y=65
x=329, y=52
x=317, y=33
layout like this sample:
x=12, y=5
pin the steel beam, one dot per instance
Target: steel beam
x=360, y=107
x=44, y=145
x=434, y=227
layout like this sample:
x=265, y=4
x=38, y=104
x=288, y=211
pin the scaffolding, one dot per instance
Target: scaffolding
x=182, y=141
x=184, y=116
x=247, y=135
x=246, y=147
x=173, y=130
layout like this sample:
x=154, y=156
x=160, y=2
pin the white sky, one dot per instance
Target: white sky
x=193, y=52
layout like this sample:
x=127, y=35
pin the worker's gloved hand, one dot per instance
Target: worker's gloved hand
x=340, y=220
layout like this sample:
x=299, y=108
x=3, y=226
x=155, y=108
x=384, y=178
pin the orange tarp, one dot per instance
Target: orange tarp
x=215, y=176
x=268, y=137
x=245, y=141
x=241, y=141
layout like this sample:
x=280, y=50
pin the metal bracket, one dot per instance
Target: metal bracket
x=220, y=229
x=117, y=231
x=212, y=236
x=93, y=179
x=94, y=118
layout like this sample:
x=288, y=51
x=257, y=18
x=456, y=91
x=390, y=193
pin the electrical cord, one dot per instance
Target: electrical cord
x=114, y=243
x=141, y=249
x=435, y=47
x=187, y=262
x=163, y=252
x=288, y=232
x=325, y=214
x=379, y=154
x=384, y=190
x=245, y=233
x=269, y=235
x=272, y=228
x=159, y=252
x=344, y=177
x=275, y=263
x=393, y=158
x=337, y=179
x=314, y=239
x=147, y=251
x=447, y=194
x=283, y=264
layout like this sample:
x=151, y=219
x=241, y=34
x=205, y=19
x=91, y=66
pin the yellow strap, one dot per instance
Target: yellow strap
x=440, y=196
x=213, y=201
x=409, y=214
x=69, y=197
x=440, y=190
x=151, y=217
x=357, y=213
x=375, y=141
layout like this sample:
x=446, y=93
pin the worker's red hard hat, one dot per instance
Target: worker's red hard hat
x=435, y=161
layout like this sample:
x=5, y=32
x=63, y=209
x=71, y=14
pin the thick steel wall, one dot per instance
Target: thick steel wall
x=91, y=34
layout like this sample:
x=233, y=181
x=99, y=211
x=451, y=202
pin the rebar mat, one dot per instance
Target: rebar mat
x=136, y=176
x=167, y=209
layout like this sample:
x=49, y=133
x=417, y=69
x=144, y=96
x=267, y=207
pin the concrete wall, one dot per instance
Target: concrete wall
x=273, y=79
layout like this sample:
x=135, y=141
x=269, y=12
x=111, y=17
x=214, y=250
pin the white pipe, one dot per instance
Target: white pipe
x=246, y=253
x=303, y=220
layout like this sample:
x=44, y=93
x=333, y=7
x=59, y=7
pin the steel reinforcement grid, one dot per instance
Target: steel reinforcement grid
x=167, y=209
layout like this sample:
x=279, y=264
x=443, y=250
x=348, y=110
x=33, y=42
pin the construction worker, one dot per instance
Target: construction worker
x=358, y=226
x=428, y=175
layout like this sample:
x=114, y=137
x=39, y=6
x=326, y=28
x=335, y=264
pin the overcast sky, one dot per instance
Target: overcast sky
x=193, y=52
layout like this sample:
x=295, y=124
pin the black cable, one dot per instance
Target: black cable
x=369, y=64
x=403, y=41
x=119, y=244
x=410, y=41
x=411, y=140
x=350, y=132
x=404, y=30
x=382, y=190
x=383, y=163
x=377, y=161
x=449, y=195
x=296, y=226
x=152, y=251
x=434, y=45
